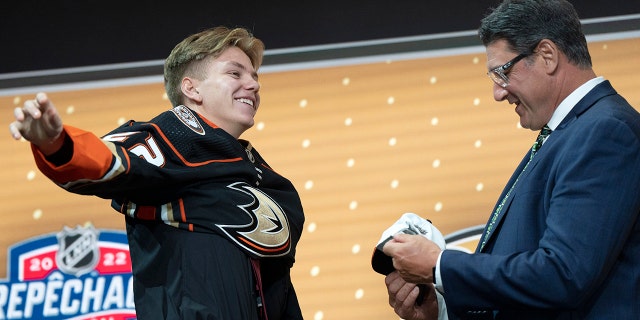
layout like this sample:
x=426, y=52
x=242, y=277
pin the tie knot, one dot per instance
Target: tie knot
x=544, y=133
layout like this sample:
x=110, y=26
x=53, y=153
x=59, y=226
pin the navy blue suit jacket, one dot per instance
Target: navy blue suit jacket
x=567, y=242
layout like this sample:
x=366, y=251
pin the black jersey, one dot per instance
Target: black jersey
x=185, y=185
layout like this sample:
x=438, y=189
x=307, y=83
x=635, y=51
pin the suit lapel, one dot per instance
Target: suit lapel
x=521, y=177
x=598, y=92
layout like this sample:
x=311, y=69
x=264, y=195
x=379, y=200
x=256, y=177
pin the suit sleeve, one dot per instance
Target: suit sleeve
x=589, y=202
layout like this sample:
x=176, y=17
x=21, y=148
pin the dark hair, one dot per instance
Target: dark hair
x=523, y=23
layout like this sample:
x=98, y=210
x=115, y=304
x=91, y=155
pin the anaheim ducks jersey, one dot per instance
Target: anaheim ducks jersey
x=198, y=203
x=184, y=171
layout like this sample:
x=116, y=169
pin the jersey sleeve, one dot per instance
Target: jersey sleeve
x=92, y=160
x=105, y=168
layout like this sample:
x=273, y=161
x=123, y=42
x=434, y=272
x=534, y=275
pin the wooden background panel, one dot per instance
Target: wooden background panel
x=363, y=144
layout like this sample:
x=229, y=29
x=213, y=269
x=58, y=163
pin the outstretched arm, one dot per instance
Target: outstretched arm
x=39, y=122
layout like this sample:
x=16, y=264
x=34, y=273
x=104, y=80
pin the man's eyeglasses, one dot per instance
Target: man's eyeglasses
x=498, y=74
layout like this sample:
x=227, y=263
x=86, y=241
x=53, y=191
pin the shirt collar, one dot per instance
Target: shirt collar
x=571, y=100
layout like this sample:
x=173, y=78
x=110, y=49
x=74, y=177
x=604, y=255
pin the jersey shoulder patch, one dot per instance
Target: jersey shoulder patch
x=186, y=116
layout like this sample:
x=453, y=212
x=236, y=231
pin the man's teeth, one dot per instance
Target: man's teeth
x=247, y=101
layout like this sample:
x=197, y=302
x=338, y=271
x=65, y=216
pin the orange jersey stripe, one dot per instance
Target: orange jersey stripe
x=91, y=158
x=188, y=163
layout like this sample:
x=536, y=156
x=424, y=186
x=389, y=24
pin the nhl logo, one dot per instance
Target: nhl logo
x=78, y=250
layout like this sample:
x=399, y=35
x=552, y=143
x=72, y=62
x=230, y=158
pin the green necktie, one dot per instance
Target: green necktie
x=544, y=133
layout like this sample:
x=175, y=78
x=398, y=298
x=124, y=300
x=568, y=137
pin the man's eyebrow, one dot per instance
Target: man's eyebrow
x=254, y=74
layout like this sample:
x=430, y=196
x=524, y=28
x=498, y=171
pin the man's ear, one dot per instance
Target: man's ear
x=550, y=54
x=190, y=90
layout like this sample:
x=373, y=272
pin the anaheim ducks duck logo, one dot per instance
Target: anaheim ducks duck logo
x=268, y=232
x=186, y=116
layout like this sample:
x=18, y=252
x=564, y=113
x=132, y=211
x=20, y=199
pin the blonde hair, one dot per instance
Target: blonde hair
x=187, y=56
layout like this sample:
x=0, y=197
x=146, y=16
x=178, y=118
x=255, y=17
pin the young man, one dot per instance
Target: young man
x=212, y=228
x=563, y=239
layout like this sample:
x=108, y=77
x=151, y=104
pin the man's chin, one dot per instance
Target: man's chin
x=524, y=121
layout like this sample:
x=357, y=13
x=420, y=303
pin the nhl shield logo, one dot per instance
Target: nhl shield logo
x=78, y=251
